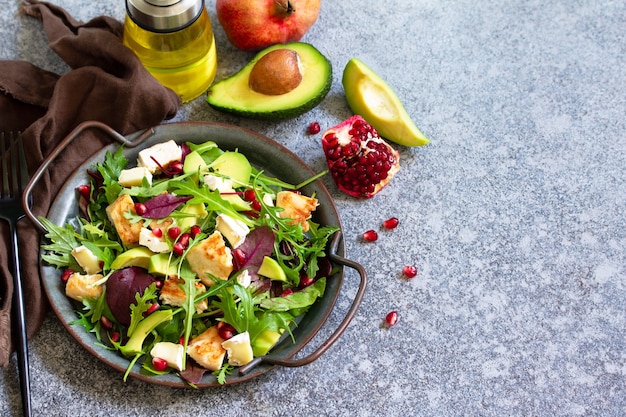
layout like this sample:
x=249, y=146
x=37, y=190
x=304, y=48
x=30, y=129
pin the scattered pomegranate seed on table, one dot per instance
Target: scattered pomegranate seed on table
x=391, y=223
x=409, y=271
x=314, y=128
x=370, y=236
x=391, y=318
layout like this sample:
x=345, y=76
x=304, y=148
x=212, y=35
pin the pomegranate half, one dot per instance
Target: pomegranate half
x=359, y=160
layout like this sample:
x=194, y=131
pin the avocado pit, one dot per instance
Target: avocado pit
x=276, y=73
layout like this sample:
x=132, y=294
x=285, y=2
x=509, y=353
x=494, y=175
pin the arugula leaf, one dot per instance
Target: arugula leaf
x=212, y=199
x=143, y=303
x=189, y=305
x=110, y=171
x=221, y=374
x=298, y=300
x=63, y=240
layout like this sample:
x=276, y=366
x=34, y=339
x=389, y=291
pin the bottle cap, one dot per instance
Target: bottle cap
x=164, y=15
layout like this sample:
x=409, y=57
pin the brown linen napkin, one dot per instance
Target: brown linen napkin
x=106, y=83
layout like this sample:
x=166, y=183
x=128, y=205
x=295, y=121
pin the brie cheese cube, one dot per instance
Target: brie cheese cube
x=134, y=176
x=209, y=257
x=164, y=153
x=234, y=230
x=239, y=349
x=215, y=182
x=206, y=349
x=268, y=199
x=172, y=353
x=81, y=287
x=150, y=241
x=87, y=260
x=244, y=279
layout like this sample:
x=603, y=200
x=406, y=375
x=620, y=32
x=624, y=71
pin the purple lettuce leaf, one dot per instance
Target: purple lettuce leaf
x=258, y=244
x=163, y=205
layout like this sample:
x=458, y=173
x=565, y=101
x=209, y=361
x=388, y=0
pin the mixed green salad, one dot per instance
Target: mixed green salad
x=190, y=260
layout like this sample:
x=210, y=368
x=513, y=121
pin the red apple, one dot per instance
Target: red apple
x=252, y=25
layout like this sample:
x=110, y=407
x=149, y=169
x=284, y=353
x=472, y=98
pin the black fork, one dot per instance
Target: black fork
x=14, y=180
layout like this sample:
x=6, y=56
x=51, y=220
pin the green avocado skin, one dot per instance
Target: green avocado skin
x=289, y=108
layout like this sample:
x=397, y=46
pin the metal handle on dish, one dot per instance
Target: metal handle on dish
x=26, y=197
x=332, y=254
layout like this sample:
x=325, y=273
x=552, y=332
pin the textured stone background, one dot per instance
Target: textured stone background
x=513, y=215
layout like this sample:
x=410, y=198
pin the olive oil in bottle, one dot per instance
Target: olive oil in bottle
x=174, y=41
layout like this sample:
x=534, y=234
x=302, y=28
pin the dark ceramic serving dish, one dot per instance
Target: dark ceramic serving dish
x=274, y=159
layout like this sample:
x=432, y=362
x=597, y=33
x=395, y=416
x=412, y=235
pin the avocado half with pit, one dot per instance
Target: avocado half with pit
x=282, y=81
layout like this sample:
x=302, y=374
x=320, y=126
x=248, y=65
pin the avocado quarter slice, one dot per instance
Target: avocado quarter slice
x=234, y=95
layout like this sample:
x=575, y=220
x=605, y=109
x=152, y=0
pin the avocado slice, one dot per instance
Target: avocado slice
x=159, y=265
x=234, y=165
x=271, y=269
x=371, y=97
x=264, y=342
x=139, y=256
x=193, y=163
x=135, y=342
x=234, y=94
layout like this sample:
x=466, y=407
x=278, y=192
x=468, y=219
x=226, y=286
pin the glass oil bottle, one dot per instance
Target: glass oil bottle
x=175, y=43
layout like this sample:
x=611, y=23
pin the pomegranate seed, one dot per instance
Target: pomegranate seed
x=159, y=364
x=181, y=340
x=391, y=223
x=252, y=214
x=195, y=230
x=153, y=307
x=239, y=257
x=84, y=190
x=184, y=239
x=106, y=323
x=175, y=167
x=391, y=318
x=225, y=330
x=173, y=232
x=286, y=292
x=305, y=281
x=255, y=205
x=141, y=209
x=66, y=275
x=158, y=284
x=157, y=232
x=370, y=236
x=409, y=271
x=314, y=128
x=178, y=249
x=249, y=195
x=115, y=336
